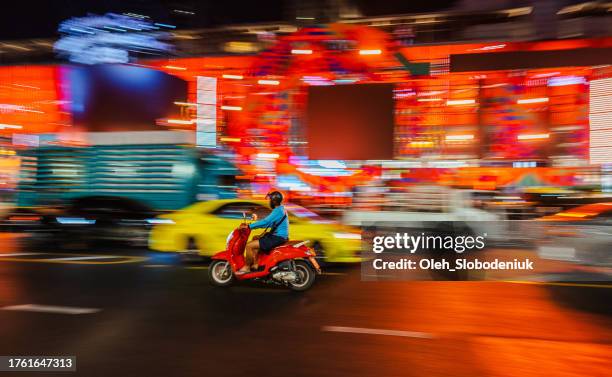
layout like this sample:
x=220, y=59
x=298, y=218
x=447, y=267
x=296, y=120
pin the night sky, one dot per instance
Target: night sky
x=38, y=19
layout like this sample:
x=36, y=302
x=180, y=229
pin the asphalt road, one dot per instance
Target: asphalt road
x=142, y=314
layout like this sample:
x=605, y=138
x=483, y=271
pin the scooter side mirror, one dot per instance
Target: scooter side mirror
x=254, y=217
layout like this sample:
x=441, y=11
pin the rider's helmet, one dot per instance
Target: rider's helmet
x=276, y=198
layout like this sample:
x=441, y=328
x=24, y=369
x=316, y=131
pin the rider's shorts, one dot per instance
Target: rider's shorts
x=270, y=241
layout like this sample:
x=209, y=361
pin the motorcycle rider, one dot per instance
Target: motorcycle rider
x=278, y=223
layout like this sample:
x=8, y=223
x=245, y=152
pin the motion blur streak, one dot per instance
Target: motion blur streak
x=358, y=330
x=136, y=135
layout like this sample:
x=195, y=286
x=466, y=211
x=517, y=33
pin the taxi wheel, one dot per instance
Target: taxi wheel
x=191, y=253
x=318, y=248
x=192, y=246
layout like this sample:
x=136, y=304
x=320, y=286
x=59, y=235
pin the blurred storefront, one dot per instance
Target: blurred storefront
x=253, y=105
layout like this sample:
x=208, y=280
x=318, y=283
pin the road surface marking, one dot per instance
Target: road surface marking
x=197, y=268
x=362, y=330
x=18, y=254
x=74, y=258
x=51, y=309
x=335, y=273
x=86, y=258
x=586, y=285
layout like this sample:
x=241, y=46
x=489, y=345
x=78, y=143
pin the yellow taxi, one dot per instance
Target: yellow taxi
x=203, y=228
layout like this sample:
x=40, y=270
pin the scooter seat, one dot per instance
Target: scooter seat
x=298, y=243
x=289, y=243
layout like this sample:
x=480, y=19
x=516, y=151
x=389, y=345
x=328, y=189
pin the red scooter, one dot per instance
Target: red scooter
x=292, y=264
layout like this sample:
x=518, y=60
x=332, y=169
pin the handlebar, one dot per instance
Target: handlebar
x=252, y=218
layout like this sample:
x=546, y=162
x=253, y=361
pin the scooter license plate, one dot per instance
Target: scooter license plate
x=315, y=263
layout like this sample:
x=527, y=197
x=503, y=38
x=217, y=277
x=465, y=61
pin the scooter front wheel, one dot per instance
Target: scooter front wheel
x=306, y=276
x=220, y=273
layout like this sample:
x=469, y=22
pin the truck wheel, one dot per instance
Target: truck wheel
x=220, y=273
x=136, y=237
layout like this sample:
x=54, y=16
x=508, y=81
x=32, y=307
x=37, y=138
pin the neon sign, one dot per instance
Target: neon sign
x=110, y=38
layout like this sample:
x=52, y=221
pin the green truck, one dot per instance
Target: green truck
x=119, y=183
x=161, y=177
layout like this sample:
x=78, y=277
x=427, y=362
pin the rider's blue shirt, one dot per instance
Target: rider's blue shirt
x=274, y=217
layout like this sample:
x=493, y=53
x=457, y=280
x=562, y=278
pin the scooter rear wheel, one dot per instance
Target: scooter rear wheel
x=307, y=276
x=220, y=273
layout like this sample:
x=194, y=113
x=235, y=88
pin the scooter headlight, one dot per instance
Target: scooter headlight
x=229, y=238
